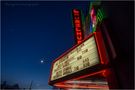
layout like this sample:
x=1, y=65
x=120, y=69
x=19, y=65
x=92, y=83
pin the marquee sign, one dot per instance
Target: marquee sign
x=81, y=57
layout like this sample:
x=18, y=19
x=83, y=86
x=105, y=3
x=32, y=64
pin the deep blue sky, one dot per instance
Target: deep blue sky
x=30, y=31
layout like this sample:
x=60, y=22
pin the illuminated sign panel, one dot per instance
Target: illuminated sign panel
x=77, y=25
x=81, y=57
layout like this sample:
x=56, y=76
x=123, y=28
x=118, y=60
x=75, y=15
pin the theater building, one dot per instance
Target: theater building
x=92, y=63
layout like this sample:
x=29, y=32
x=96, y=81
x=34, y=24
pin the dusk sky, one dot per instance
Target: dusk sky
x=32, y=31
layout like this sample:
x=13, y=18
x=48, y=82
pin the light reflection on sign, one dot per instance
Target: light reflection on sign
x=81, y=57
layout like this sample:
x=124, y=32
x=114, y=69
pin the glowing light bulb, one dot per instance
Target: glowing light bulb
x=93, y=25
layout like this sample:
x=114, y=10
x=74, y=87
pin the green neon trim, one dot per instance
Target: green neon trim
x=98, y=18
x=103, y=13
x=100, y=14
x=93, y=29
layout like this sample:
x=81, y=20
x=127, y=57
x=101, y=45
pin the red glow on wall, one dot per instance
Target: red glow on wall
x=77, y=25
x=103, y=73
x=101, y=47
x=91, y=74
x=81, y=86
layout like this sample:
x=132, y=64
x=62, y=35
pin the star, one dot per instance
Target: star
x=42, y=61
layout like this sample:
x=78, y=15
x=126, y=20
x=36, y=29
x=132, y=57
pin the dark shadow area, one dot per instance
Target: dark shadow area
x=121, y=30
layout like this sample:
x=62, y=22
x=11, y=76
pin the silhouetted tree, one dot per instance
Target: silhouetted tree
x=4, y=86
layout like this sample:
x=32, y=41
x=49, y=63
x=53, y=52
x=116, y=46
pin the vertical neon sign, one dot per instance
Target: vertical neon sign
x=77, y=25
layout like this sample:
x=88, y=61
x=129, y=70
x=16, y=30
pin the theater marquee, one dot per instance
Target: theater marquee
x=81, y=57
